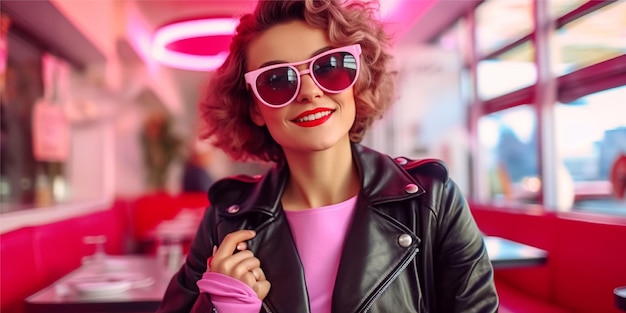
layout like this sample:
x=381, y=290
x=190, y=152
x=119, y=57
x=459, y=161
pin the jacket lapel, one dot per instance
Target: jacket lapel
x=273, y=244
x=372, y=256
x=276, y=249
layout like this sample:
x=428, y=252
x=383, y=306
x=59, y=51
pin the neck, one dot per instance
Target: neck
x=321, y=178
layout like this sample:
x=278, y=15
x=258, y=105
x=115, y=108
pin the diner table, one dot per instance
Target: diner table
x=505, y=253
x=137, y=283
x=126, y=283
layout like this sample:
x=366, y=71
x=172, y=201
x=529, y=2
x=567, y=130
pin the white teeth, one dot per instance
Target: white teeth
x=312, y=117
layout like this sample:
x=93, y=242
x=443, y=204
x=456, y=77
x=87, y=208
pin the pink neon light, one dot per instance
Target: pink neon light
x=191, y=29
x=211, y=27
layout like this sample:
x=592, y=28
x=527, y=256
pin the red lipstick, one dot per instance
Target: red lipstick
x=314, y=117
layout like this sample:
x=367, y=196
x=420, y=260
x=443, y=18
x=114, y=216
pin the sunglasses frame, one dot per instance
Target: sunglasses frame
x=252, y=76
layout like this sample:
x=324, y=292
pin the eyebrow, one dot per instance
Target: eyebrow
x=319, y=51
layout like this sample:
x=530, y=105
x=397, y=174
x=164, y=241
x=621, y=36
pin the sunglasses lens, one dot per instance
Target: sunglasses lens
x=278, y=85
x=336, y=71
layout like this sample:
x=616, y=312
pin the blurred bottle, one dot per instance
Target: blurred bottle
x=43, y=191
x=170, y=252
x=99, y=255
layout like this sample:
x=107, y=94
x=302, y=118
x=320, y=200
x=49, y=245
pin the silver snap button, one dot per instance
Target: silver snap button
x=233, y=209
x=405, y=240
x=411, y=188
x=401, y=161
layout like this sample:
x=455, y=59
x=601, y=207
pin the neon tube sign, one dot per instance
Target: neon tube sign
x=186, y=30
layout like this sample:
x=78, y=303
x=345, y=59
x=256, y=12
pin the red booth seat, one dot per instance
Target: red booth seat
x=586, y=259
x=150, y=210
x=20, y=274
x=514, y=301
x=33, y=257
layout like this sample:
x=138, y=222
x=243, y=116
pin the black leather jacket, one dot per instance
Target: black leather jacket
x=413, y=245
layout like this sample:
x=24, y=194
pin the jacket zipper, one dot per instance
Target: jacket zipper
x=266, y=308
x=386, y=284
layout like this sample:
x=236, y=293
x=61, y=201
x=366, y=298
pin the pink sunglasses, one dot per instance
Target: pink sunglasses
x=333, y=71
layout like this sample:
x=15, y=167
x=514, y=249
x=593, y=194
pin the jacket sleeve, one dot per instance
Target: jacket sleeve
x=182, y=294
x=464, y=280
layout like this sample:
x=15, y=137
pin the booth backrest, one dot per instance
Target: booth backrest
x=586, y=257
x=33, y=257
x=150, y=210
x=592, y=262
x=20, y=275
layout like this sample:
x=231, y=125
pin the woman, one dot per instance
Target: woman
x=334, y=226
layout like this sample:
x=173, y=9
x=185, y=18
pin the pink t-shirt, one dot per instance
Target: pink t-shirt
x=319, y=235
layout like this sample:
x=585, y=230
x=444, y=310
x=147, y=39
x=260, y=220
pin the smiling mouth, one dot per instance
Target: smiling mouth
x=313, y=116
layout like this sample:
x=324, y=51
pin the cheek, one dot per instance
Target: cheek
x=256, y=115
x=270, y=117
x=347, y=101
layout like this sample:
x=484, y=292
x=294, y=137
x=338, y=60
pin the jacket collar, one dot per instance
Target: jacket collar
x=382, y=180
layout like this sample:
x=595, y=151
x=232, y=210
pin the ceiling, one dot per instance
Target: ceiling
x=402, y=14
x=412, y=21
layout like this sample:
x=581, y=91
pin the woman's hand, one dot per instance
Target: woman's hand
x=242, y=265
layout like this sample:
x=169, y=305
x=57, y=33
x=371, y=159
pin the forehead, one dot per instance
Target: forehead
x=288, y=42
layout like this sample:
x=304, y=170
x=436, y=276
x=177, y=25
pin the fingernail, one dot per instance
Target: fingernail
x=253, y=232
x=241, y=246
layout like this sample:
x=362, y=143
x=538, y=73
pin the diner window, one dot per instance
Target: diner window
x=558, y=8
x=509, y=71
x=589, y=133
x=502, y=22
x=590, y=137
x=595, y=37
x=508, y=144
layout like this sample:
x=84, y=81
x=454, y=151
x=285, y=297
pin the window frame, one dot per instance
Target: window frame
x=568, y=87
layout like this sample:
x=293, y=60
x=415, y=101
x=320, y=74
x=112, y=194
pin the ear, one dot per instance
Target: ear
x=255, y=115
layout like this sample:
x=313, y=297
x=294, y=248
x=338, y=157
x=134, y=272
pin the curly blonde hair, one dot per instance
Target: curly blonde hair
x=224, y=110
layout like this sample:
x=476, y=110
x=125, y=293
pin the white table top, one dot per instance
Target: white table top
x=70, y=293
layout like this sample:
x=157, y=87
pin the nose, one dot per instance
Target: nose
x=308, y=89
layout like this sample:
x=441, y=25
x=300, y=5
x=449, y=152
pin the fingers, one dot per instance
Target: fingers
x=242, y=265
x=262, y=288
x=233, y=241
x=209, y=261
x=238, y=264
x=258, y=273
x=248, y=279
